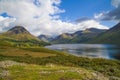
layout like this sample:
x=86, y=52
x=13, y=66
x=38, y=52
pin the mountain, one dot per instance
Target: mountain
x=79, y=36
x=45, y=38
x=94, y=30
x=19, y=36
x=19, y=33
x=86, y=35
x=111, y=36
x=116, y=28
x=63, y=38
x=77, y=33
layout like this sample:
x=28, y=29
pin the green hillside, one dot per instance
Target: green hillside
x=18, y=43
x=112, y=36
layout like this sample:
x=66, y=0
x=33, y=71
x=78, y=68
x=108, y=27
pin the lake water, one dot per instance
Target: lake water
x=89, y=50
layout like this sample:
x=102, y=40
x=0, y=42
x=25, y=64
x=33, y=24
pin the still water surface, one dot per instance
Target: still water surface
x=89, y=50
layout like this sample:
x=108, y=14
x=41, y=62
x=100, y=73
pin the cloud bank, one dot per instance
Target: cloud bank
x=39, y=17
x=111, y=15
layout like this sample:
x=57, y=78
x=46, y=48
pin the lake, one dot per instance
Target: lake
x=89, y=50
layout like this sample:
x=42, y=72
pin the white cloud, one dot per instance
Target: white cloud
x=98, y=16
x=5, y=22
x=40, y=17
x=66, y=27
x=91, y=24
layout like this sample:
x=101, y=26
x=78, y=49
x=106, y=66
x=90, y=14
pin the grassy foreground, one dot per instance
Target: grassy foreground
x=38, y=59
x=21, y=71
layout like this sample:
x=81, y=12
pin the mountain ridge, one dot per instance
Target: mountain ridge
x=18, y=30
x=78, y=36
x=19, y=33
x=19, y=36
x=111, y=36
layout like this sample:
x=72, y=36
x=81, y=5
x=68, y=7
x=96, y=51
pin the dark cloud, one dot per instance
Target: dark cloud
x=83, y=19
x=111, y=15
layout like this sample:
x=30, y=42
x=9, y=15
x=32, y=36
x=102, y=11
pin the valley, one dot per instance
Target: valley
x=28, y=56
x=59, y=39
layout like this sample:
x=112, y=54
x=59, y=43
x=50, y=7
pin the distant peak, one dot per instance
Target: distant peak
x=94, y=30
x=18, y=30
x=17, y=27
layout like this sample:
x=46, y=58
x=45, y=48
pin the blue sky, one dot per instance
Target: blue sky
x=86, y=8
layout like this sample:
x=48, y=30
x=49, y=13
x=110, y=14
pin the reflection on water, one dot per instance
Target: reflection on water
x=89, y=50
